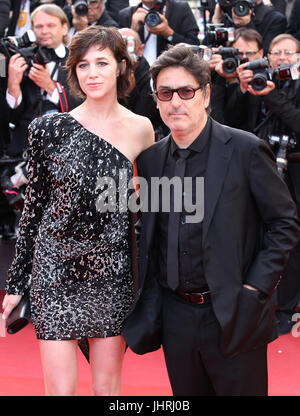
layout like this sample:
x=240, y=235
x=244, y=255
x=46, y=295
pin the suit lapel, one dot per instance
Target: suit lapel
x=220, y=153
x=155, y=169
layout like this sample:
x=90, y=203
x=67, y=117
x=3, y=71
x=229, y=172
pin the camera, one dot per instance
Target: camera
x=152, y=18
x=204, y=51
x=230, y=59
x=13, y=182
x=262, y=73
x=240, y=7
x=131, y=45
x=24, y=46
x=281, y=145
x=81, y=7
x=217, y=35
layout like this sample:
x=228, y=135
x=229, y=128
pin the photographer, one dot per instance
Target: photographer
x=240, y=107
x=277, y=113
x=88, y=13
x=252, y=14
x=34, y=88
x=160, y=23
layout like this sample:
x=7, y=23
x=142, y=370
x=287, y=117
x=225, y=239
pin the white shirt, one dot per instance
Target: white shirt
x=150, y=51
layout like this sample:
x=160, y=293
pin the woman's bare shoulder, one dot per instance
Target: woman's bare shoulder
x=141, y=129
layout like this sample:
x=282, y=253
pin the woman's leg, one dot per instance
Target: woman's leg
x=106, y=358
x=59, y=362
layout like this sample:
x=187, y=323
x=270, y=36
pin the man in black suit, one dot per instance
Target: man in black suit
x=267, y=20
x=96, y=15
x=206, y=282
x=178, y=24
x=44, y=88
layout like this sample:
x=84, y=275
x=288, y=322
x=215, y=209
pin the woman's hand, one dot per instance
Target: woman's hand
x=9, y=303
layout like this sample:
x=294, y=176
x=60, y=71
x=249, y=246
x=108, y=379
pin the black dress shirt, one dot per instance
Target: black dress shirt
x=190, y=256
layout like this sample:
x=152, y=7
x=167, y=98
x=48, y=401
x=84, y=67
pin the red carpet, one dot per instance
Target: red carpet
x=21, y=373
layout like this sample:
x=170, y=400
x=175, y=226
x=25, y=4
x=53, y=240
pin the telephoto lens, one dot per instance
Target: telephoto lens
x=241, y=8
x=81, y=7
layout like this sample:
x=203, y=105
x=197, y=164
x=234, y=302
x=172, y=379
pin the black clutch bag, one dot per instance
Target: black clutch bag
x=19, y=316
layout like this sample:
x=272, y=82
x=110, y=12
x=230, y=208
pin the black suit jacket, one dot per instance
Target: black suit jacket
x=249, y=227
x=180, y=18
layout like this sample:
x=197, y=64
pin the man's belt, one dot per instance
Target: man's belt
x=195, y=297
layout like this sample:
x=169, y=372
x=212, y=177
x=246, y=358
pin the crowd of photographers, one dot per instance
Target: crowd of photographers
x=252, y=49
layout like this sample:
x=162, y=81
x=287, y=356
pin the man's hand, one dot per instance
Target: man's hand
x=250, y=287
x=138, y=18
x=162, y=29
x=270, y=87
x=218, y=14
x=16, y=68
x=245, y=76
x=232, y=77
x=40, y=75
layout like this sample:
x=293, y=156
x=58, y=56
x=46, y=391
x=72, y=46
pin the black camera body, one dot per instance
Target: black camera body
x=231, y=59
x=81, y=7
x=240, y=7
x=219, y=36
x=204, y=51
x=152, y=18
x=24, y=45
x=262, y=73
x=281, y=145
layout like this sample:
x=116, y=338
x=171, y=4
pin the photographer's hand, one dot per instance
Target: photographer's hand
x=162, y=29
x=231, y=78
x=138, y=19
x=16, y=68
x=40, y=75
x=270, y=87
x=218, y=14
x=245, y=76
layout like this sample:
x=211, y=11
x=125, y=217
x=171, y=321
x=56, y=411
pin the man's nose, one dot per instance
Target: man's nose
x=176, y=101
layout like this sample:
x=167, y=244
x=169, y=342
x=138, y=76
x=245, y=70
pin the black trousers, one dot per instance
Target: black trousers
x=195, y=364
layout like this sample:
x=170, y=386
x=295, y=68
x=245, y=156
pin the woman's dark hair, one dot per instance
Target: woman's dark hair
x=105, y=37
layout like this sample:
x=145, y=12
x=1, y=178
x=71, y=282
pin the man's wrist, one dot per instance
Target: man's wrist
x=50, y=89
x=14, y=90
x=169, y=35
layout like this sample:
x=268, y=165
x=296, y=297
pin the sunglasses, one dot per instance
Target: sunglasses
x=185, y=93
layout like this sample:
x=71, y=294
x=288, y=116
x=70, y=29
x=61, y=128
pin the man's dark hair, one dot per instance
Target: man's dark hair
x=249, y=35
x=182, y=56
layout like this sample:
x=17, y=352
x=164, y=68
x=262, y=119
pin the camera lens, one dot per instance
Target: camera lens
x=259, y=82
x=81, y=7
x=152, y=19
x=241, y=8
x=229, y=65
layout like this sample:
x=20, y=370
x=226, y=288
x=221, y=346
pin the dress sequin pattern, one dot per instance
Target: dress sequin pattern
x=74, y=258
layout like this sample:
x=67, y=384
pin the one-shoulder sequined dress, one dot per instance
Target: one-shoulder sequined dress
x=74, y=256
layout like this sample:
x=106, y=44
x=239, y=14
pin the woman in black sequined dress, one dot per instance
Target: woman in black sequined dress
x=74, y=247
